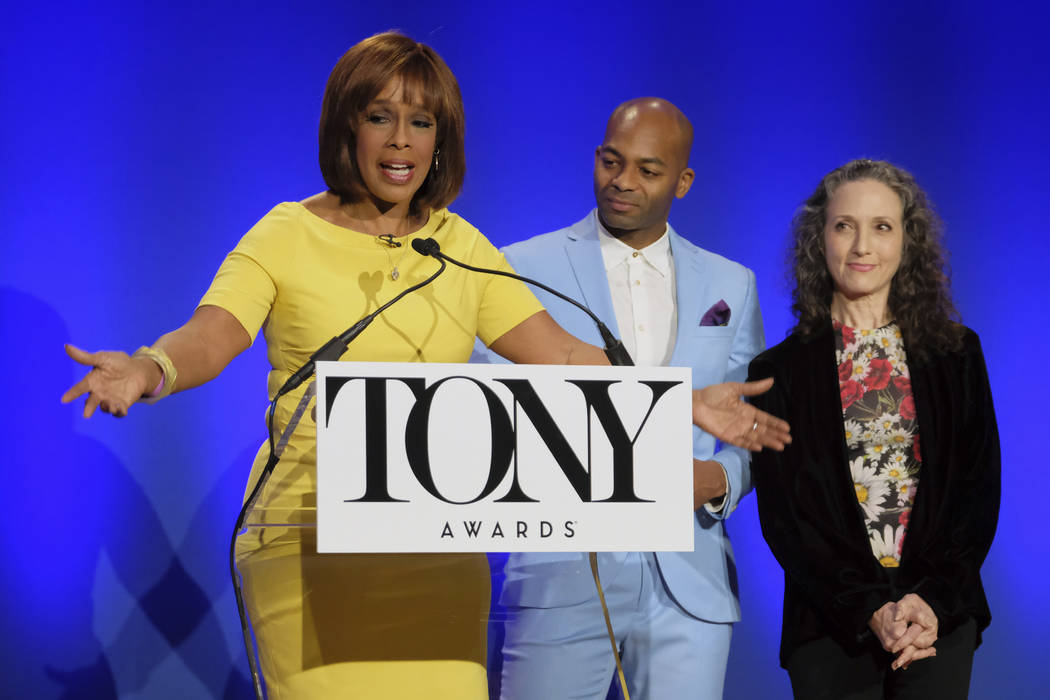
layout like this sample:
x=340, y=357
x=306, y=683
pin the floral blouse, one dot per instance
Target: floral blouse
x=882, y=436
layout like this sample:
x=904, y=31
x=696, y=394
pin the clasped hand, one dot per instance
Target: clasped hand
x=907, y=628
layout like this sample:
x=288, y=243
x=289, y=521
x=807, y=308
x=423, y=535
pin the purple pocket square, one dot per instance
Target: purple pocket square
x=717, y=315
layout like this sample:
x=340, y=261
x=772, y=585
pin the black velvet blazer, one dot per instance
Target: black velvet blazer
x=814, y=525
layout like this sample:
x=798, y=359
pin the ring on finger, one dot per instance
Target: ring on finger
x=754, y=427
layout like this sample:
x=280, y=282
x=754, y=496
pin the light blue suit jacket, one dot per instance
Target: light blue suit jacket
x=702, y=581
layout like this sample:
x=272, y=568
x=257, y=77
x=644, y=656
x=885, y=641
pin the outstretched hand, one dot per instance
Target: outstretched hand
x=720, y=410
x=116, y=380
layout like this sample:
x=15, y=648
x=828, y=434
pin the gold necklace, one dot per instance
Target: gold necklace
x=389, y=241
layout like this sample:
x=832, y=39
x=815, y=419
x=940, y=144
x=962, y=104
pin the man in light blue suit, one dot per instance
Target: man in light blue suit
x=674, y=304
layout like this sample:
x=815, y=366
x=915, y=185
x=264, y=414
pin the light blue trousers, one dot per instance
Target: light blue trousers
x=564, y=653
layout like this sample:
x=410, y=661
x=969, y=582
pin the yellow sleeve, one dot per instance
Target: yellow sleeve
x=505, y=302
x=245, y=283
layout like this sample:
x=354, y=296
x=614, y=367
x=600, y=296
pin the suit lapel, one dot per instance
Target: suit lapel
x=691, y=290
x=588, y=266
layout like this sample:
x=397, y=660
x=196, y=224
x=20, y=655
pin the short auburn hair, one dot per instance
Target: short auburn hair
x=357, y=79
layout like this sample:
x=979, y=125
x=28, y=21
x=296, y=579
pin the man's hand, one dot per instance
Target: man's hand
x=720, y=410
x=709, y=482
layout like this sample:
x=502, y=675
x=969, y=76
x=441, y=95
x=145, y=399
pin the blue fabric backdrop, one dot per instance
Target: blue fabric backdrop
x=140, y=140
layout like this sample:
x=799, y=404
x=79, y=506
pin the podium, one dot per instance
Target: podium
x=444, y=490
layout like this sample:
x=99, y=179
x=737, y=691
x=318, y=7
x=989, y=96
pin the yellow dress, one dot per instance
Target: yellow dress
x=357, y=625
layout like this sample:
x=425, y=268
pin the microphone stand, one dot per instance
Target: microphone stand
x=614, y=349
x=618, y=356
x=330, y=351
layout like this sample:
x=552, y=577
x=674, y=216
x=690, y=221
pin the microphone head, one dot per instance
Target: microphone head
x=425, y=246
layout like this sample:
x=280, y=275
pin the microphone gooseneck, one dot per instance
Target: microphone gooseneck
x=617, y=355
x=330, y=351
x=614, y=348
x=336, y=347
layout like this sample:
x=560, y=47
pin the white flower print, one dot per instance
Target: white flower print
x=853, y=432
x=880, y=438
x=871, y=491
x=898, y=438
x=906, y=491
x=875, y=450
x=860, y=367
x=896, y=465
x=886, y=545
x=887, y=423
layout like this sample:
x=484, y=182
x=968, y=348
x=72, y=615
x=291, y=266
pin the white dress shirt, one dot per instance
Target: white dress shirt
x=642, y=286
x=643, y=295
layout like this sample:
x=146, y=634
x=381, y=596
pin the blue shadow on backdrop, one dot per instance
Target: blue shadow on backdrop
x=140, y=141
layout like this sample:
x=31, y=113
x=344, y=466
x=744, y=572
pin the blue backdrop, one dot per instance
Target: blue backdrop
x=140, y=140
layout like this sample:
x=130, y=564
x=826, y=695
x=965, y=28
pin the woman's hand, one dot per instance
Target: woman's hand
x=720, y=410
x=888, y=626
x=116, y=380
x=907, y=628
x=198, y=351
x=917, y=641
x=912, y=653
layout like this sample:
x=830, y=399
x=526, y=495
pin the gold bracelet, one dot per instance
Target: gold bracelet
x=167, y=370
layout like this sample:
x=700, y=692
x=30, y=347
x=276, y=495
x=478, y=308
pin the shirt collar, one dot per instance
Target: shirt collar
x=616, y=252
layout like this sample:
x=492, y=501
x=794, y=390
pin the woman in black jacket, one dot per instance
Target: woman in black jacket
x=883, y=508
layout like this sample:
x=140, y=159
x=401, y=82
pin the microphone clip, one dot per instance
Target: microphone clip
x=388, y=240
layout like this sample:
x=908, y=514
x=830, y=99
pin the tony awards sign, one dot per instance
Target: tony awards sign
x=415, y=457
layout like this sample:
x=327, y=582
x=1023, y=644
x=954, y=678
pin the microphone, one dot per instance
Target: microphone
x=426, y=246
x=614, y=348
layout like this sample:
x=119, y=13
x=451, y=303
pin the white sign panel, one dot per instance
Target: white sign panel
x=416, y=457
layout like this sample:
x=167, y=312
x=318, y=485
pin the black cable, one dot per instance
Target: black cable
x=332, y=350
x=614, y=348
x=618, y=356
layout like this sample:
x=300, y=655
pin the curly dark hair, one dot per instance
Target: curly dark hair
x=920, y=298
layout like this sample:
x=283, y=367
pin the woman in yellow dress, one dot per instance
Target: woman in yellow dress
x=392, y=157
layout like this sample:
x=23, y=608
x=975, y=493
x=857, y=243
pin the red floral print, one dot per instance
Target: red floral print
x=845, y=371
x=850, y=392
x=878, y=375
x=908, y=408
x=882, y=438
